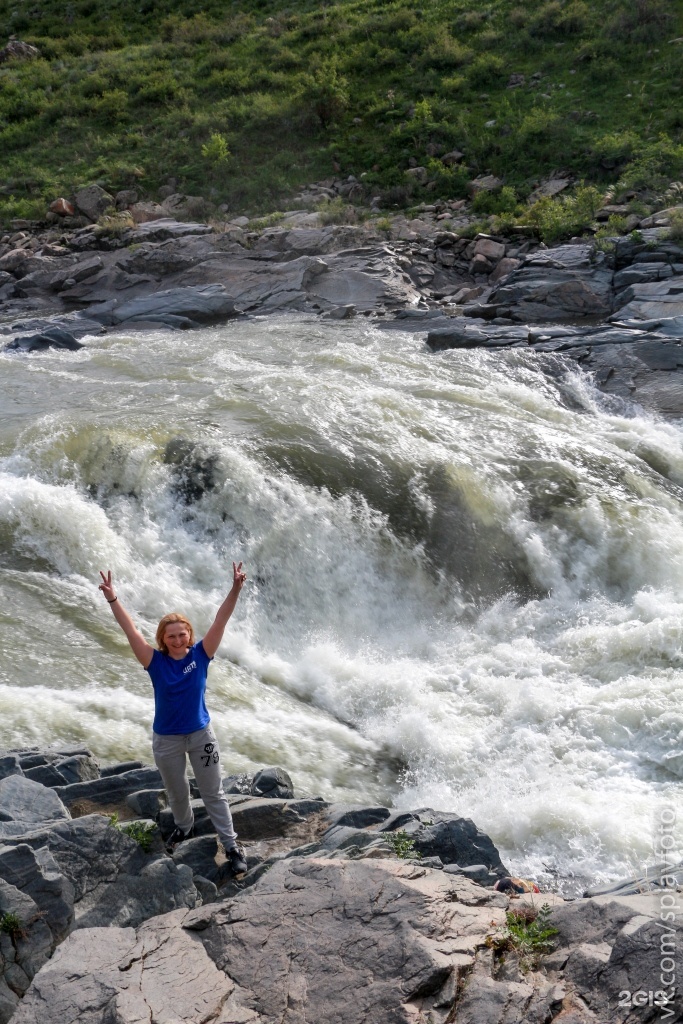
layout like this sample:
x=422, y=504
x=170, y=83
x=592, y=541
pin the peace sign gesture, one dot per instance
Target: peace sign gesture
x=239, y=578
x=107, y=587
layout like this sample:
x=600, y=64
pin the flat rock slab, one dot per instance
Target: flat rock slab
x=314, y=940
x=109, y=792
x=27, y=802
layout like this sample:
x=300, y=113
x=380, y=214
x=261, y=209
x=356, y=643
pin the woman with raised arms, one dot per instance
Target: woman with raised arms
x=177, y=668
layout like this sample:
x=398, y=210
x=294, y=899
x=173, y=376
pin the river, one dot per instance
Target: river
x=465, y=573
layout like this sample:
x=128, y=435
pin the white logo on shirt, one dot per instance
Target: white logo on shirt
x=188, y=668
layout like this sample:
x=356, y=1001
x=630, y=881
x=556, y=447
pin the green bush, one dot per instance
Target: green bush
x=641, y=21
x=216, y=151
x=326, y=92
x=336, y=211
x=10, y=924
x=401, y=843
x=564, y=216
x=503, y=200
x=528, y=933
x=486, y=71
x=675, y=232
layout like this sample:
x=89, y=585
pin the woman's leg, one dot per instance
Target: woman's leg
x=206, y=762
x=171, y=760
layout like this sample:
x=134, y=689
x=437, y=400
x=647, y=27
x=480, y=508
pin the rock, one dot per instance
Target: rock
x=18, y=50
x=92, y=201
x=148, y=803
x=272, y=782
x=489, y=248
x=515, y=80
x=37, y=874
x=549, y=188
x=46, y=775
x=143, y=213
x=201, y=303
x=25, y=803
x=387, y=932
x=9, y=765
x=51, y=337
x=453, y=157
x=200, y=855
x=505, y=267
x=120, y=768
x=484, y=183
x=114, y=882
x=264, y=818
x=24, y=952
x=183, y=207
x=126, y=198
x=556, y=284
x=418, y=174
x=340, y=313
x=13, y=259
x=109, y=792
x=161, y=229
x=62, y=207
x=656, y=299
x=456, y=841
x=195, y=468
x=78, y=768
x=357, y=816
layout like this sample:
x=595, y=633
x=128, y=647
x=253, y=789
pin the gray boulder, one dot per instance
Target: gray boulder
x=51, y=337
x=294, y=947
x=111, y=879
x=109, y=792
x=456, y=841
x=200, y=303
x=25, y=804
x=9, y=765
x=567, y=282
x=272, y=782
x=92, y=201
x=22, y=951
x=35, y=873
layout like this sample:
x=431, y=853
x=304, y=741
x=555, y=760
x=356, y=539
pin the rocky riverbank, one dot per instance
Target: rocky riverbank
x=616, y=309
x=358, y=913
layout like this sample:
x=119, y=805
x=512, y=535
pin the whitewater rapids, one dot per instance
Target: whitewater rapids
x=465, y=572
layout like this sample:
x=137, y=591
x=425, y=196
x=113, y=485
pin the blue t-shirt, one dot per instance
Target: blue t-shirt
x=179, y=688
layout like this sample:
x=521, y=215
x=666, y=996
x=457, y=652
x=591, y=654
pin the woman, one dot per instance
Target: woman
x=181, y=722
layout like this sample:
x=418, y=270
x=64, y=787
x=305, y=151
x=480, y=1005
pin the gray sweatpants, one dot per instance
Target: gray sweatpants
x=170, y=753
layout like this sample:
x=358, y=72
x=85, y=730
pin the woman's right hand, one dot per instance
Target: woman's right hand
x=107, y=587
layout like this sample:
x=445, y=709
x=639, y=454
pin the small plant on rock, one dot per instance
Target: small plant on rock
x=528, y=933
x=675, y=232
x=10, y=924
x=141, y=831
x=401, y=843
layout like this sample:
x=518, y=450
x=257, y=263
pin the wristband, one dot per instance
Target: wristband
x=111, y=602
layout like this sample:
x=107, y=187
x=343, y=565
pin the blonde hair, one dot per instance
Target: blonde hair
x=167, y=621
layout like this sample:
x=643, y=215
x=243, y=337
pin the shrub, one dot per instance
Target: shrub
x=10, y=924
x=641, y=21
x=528, y=933
x=336, y=211
x=675, y=231
x=486, y=70
x=564, y=216
x=142, y=832
x=401, y=843
x=502, y=201
x=326, y=91
x=216, y=150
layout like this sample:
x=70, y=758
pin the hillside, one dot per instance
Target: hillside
x=245, y=102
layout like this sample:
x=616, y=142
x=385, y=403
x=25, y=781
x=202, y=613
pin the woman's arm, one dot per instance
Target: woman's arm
x=214, y=634
x=141, y=649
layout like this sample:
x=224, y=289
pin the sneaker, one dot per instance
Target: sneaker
x=177, y=837
x=237, y=860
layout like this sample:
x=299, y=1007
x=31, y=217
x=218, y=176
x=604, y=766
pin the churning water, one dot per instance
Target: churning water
x=466, y=572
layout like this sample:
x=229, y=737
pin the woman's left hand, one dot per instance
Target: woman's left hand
x=239, y=578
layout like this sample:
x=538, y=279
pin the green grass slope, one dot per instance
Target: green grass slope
x=130, y=92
